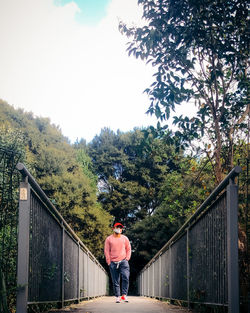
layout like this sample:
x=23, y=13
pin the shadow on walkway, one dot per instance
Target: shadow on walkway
x=135, y=305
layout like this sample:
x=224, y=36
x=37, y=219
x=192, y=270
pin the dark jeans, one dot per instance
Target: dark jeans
x=121, y=272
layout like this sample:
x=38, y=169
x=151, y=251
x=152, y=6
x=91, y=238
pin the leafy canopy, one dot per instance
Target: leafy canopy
x=200, y=52
x=63, y=171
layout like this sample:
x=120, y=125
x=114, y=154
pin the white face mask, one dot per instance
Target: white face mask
x=118, y=230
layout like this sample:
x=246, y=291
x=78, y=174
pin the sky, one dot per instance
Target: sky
x=66, y=60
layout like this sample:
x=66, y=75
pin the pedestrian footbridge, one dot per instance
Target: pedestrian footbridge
x=135, y=305
x=199, y=264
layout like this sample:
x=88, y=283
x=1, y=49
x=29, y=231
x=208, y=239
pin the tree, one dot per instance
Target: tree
x=182, y=192
x=86, y=164
x=12, y=150
x=63, y=171
x=140, y=173
x=200, y=49
x=131, y=168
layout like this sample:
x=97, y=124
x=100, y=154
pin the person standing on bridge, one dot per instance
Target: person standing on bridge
x=117, y=251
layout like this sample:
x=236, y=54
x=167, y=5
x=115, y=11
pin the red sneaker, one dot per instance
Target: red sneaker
x=124, y=298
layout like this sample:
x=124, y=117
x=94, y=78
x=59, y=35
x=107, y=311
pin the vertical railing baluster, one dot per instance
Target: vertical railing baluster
x=62, y=282
x=170, y=273
x=153, y=279
x=160, y=278
x=144, y=284
x=188, y=269
x=23, y=247
x=148, y=281
x=232, y=248
x=88, y=276
x=78, y=281
x=142, y=279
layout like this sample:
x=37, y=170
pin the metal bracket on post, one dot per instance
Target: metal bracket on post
x=23, y=247
x=232, y=247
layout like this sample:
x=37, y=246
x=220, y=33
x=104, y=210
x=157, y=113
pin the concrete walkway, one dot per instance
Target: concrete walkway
x=135, y=305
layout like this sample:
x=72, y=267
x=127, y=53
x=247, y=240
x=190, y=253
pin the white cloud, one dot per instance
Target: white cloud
x=79, y=76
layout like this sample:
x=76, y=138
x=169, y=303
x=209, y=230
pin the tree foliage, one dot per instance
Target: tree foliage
x=200, y=52
x=131, y=168
x=181, y=194
x=12, y=150
x=147, y=186
x=60, y=170
x=12, y=140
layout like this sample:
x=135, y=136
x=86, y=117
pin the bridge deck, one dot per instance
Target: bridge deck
x=135, y=305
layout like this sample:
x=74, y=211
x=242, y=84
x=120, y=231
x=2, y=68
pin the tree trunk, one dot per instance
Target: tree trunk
x=218, y=167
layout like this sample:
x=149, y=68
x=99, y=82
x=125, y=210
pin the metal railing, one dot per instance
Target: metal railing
x=53, y=263
x=199, y=264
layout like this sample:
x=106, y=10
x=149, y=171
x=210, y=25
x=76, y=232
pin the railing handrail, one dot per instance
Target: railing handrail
x=234, y=172
x=25, y=173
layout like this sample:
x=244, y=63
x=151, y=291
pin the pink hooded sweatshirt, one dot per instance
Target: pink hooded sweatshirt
x=117, y=249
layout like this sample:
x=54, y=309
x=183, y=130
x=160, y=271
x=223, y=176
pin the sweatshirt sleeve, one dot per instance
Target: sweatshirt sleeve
x=128, y=249
x=107, y=250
